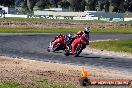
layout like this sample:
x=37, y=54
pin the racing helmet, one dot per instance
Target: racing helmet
x=86, y=30
x=69, y=35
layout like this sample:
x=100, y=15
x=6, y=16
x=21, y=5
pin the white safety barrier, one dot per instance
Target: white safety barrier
x=19, y=16
x=127, y=19
x=85, y=18
x=68, y=18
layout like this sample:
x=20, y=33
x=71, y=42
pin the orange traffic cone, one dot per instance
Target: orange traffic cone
x=84, y=73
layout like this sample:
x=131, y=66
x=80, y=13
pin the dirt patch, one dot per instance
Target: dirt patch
x=59, y=24
x=27, y=72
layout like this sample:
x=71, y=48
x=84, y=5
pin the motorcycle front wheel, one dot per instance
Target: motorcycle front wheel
x=56, y=47
x=48, y=49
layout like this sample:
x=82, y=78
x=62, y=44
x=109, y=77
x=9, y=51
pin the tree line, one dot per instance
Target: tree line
x=120, y=6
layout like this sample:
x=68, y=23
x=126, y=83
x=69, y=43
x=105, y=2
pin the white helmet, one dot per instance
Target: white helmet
x=86, y=30
x=69, y=35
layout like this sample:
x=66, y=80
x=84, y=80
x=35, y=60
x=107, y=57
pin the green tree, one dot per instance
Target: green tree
x=107, y=6
x=78, y=5
x=30, y=5
x=56, y=2
x=82, y=4
x=65, y=4
x=104, y=5
x=91, y=5
x=24, y=7
x=118, y=5
x=8, y=3
x=1, y=2
x=42, y=4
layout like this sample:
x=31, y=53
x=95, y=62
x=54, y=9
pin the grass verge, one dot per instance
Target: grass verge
x=47, y=84
x=64, y=30
x=112, y=30
x=39, y=30
x=10, y=85
x=123, y=45
x=39, y=84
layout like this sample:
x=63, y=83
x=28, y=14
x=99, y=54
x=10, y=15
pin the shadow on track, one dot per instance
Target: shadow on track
x=89, y=57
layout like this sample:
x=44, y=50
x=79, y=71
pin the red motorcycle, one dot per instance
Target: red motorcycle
x=59, y=43
x=78, y=45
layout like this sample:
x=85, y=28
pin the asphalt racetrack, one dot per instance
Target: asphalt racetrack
x=34, y=46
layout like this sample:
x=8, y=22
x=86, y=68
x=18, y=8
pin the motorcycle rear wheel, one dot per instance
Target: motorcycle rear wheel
x=77, y=51
x=66, y=53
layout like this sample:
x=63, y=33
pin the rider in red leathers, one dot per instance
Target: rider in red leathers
x=59, y=36
x=64, y=40
x=78, y=34
x=77, y=38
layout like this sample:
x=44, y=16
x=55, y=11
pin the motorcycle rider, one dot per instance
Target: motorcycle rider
x=56, y=37
x=68, y=37
x=78, y=35
x=59, y=36
x=65, y=39
x=68, y=40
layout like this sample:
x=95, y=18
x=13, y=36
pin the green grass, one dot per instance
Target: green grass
x=123, y=45
x=39, y=84
x=112, y=30
x=10, y=85
x=64, y=30
x=47, y=84
x=38, y=30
